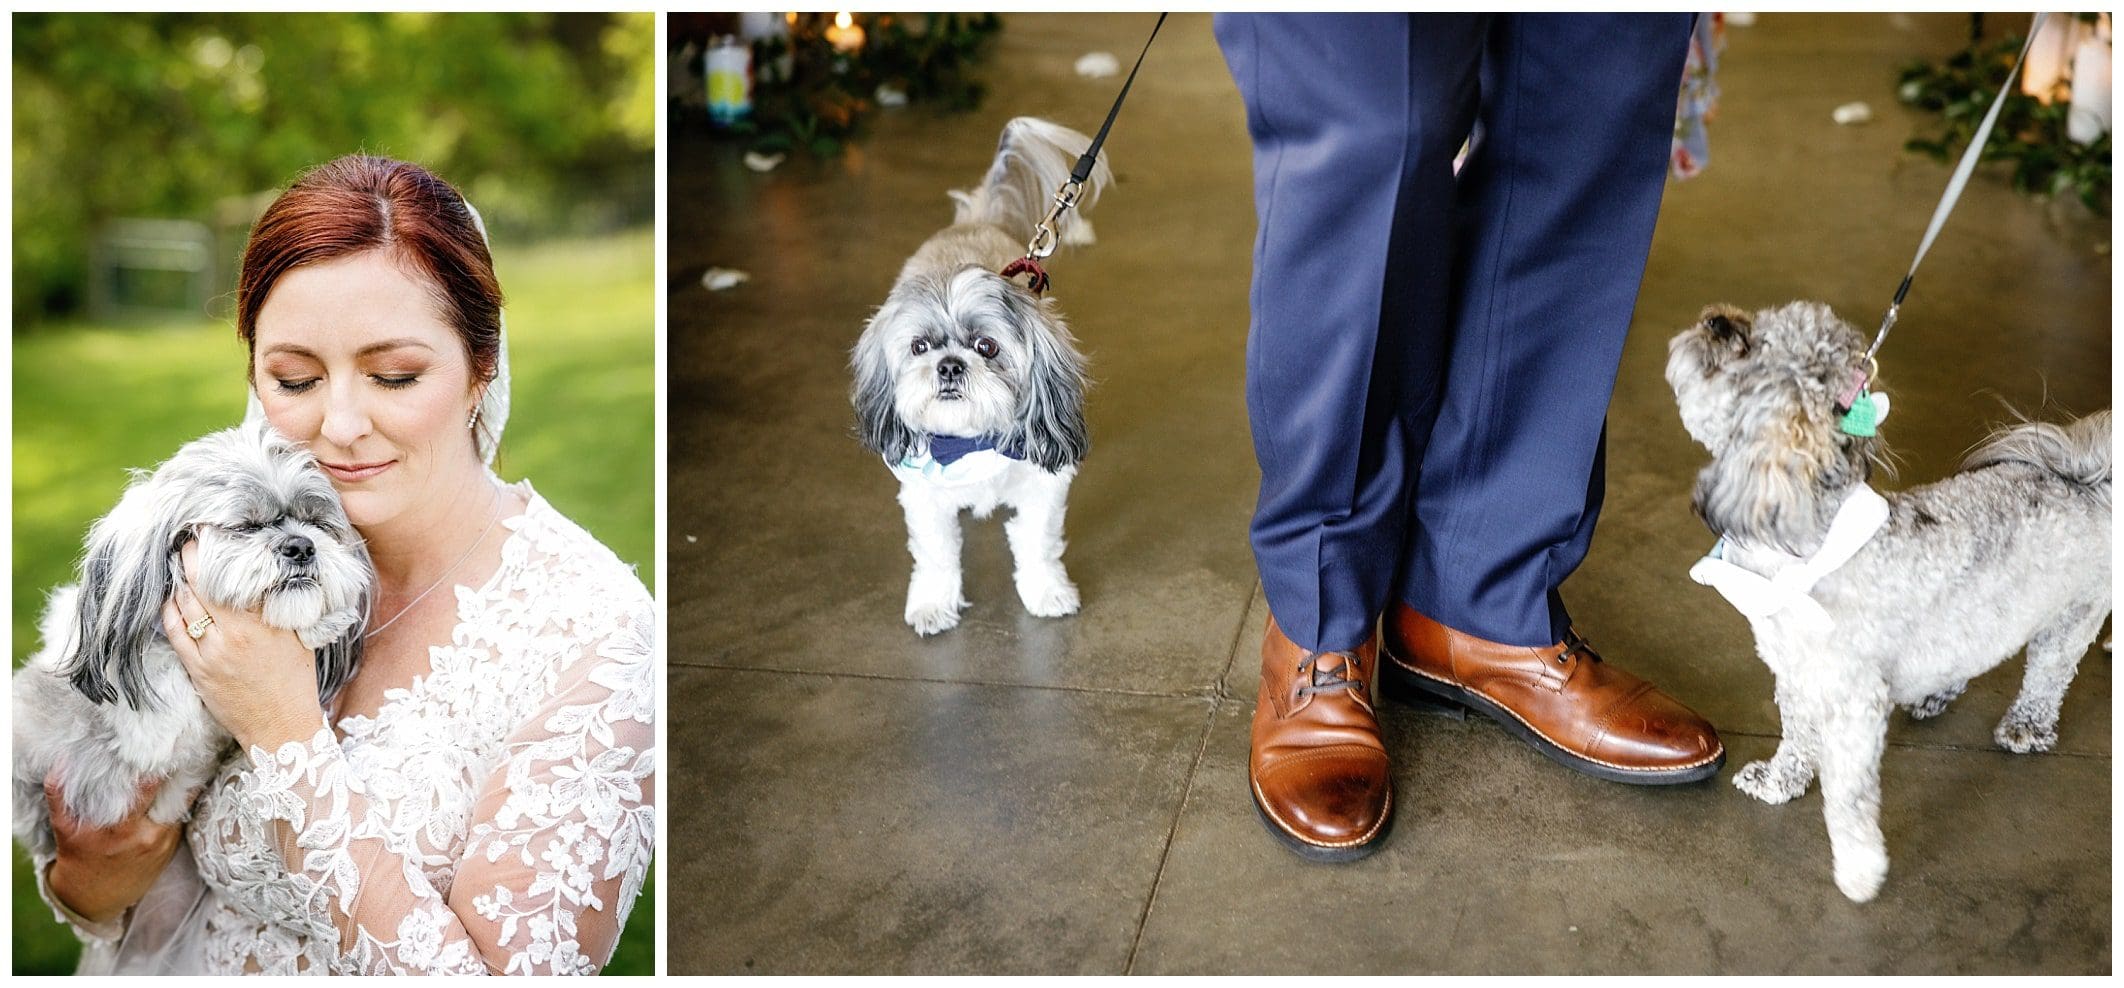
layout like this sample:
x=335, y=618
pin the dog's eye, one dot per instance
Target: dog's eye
x=921, y=347
x=986, y=348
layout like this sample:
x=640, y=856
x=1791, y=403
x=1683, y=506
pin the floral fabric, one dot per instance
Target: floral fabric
x=1699, y=96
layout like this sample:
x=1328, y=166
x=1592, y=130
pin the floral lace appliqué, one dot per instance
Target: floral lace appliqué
x=494, y=815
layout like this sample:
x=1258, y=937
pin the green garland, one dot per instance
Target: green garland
x=809, y=96
x=2029, y=133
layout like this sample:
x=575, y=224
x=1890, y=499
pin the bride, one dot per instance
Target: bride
x=478, y=798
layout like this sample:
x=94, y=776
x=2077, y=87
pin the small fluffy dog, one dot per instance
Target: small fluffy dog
x=106, y=698
x=971, y=387
x=2011, y=550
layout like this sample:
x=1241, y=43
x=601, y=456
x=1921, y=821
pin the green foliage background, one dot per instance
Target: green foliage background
x=542, y=119
x=2029, y=133
x=547, y=122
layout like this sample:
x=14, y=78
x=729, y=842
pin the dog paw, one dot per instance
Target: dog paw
x=1763, y=781
x=1048, y=595
x=929, y=614
x=1936, y=704
x=1859, y=874
x=932, y=619
x=2025, y=737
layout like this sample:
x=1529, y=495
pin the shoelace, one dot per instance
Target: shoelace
x=1328, y=680
x=1574, y=642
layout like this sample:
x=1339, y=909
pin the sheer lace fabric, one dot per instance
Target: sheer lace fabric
x=495, y=815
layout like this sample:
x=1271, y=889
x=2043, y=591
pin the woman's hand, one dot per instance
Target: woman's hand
x=257, y=680
x=99, y=874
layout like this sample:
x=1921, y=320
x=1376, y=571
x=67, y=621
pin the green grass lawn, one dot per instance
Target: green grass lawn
x=93, y=400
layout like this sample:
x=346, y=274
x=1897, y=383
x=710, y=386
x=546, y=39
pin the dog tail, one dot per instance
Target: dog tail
x=1033, y=159
x=2078, y=451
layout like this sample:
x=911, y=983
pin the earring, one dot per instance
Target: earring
x=472, y=422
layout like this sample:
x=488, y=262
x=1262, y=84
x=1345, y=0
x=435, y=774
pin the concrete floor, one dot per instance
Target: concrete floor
x=1032, y=796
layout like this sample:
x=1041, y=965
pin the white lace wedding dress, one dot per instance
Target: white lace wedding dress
x=493, y=816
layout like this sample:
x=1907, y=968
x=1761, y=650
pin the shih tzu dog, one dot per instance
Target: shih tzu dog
x=1861, y=602
x=105, y=699
x=971, y=387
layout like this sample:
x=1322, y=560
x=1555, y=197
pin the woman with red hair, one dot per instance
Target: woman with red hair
x=477, y=798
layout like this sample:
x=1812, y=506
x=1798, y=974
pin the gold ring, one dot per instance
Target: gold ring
x=197, y=629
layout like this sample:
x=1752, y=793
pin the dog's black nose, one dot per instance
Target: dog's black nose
x=298, y=550
x=951, y=370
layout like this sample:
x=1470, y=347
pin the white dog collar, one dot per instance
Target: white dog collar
x=1862, y=514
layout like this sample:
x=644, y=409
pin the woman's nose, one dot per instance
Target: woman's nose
x=346, y=418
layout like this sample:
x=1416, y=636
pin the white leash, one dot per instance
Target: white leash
x=1955, y=184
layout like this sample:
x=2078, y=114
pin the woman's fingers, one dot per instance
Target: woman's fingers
x=55, y=800
x=190, y=555
x=176, y=627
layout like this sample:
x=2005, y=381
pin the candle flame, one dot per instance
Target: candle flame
x=843, y=19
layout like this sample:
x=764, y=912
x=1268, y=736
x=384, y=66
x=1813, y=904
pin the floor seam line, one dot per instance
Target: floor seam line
x=1172, y=832
x=1935, y=746
x=1224, y=678
x=1175, y=695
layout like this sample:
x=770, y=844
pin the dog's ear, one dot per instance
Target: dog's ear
x=127, y=575
x=1779, y=481
x=876, y=396
x=1048, y=428
x=1727, y=324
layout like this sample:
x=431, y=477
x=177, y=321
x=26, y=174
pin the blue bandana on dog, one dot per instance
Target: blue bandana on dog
x=948, y=449
x=957, y=461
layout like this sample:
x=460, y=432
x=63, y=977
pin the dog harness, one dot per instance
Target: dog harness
x=1758, y=597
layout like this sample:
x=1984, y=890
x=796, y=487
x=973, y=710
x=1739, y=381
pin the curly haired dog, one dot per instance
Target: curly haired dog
x=2012, y=550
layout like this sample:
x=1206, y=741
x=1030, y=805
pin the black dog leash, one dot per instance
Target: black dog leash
x=1856, y=405
x=1043, y=239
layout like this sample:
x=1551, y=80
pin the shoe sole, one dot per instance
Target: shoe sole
x=1315, y=852
x=1405, y=686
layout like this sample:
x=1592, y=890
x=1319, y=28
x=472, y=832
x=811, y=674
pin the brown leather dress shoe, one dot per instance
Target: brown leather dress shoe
x=1318, y=769
x=1562, y=699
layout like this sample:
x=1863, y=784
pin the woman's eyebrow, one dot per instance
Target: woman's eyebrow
x=377, y=347
x=382, y=345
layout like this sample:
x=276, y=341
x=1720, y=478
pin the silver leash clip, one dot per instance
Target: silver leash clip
x=1887, y=323
x=1043, y=239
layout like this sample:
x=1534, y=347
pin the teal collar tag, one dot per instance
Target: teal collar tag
x=1863, y=419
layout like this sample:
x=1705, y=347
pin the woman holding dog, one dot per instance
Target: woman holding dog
x=478, y=797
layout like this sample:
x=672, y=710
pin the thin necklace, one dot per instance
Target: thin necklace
x=492, y=517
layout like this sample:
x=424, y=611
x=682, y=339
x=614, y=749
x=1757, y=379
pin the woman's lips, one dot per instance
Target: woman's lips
x=355, y=472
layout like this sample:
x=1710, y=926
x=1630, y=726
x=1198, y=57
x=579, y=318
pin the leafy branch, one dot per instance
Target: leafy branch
x=2029, y=133
x=809, y=95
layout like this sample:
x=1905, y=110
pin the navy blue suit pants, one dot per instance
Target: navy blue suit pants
x=1431, y=353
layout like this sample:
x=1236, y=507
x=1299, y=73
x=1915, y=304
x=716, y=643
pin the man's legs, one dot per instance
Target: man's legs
x=1556, y=208
x=1558, y=201
x=1355, y=123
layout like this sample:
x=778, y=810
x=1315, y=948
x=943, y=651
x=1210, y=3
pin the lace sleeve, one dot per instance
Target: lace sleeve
x=558, y=844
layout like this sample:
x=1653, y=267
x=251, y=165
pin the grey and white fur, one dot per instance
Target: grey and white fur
x=105, y=699
x=957, y=350
x=2012, y=550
